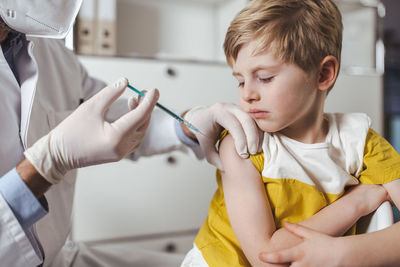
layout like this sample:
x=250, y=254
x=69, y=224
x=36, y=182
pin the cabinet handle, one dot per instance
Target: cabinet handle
x=170, y=248
x=171, y=160
x=171, y=72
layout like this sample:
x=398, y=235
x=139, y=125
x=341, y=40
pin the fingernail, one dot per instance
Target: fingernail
x=156, y=93
x=244, y=155
x=266, y=257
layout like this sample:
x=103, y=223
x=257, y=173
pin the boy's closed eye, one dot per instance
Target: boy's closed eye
x=241, y=84
x=261, y=79
x=266, y=80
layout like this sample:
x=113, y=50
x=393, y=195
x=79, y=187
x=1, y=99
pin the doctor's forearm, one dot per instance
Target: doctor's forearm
x=379, y=248
x=32, y=178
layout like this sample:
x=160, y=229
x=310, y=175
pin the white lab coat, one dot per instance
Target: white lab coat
x=60, y=85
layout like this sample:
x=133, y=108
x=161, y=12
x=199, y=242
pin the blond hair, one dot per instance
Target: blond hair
x=302, y=32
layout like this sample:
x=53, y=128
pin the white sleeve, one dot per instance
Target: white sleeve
x=90, y=85
x=161, y=137
x=16, y=248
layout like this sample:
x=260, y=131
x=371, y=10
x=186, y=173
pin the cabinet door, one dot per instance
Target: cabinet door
x=162, y=194
x=182, y=85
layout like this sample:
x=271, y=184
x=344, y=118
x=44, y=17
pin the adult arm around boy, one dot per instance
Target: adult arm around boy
x=379, y=248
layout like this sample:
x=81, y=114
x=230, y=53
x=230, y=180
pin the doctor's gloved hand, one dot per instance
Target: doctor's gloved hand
x=84, y=138
x=211, y=120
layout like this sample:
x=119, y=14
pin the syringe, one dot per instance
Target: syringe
x=174, y=115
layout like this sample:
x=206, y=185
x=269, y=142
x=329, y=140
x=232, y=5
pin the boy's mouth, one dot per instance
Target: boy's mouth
x=258, y=114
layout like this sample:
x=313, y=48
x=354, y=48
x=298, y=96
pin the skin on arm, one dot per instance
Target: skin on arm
x=32, y=178
x=246, y=202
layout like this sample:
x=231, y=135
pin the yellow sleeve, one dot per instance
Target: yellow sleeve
x=381, y=162
x=258, y=159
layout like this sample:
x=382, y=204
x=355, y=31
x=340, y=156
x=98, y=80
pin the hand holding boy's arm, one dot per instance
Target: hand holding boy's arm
x=246, y=202
x=379, y=248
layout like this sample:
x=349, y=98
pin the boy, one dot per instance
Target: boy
x=285, y=55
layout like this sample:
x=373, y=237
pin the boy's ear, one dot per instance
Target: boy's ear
x=328, y=72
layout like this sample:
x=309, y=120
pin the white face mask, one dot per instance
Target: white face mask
x=40, y=18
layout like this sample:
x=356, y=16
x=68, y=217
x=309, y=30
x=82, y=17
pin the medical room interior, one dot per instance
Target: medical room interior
x=159, y=203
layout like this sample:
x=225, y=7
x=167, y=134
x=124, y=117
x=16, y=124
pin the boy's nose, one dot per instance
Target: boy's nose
x=250, y=94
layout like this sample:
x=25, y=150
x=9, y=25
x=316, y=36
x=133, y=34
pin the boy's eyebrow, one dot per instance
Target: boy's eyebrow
x=257, y=68
x=236, y=73
x=265, y=67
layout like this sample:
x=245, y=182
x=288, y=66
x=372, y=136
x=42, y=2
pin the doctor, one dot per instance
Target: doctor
x=41, y=84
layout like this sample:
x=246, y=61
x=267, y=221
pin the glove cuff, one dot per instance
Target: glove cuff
x=189, y=115
x=41, y=158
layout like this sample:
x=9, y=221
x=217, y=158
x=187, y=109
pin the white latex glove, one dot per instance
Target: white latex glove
x=84, y=138
x=211, y=120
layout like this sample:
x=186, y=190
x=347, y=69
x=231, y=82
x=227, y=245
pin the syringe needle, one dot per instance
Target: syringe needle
x=168, y=111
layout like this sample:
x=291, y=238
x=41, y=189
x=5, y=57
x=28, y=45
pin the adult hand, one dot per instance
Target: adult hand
x=85, y=138
x=317, y=249
x=211, y=120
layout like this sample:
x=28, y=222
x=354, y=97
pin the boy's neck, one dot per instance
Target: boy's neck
x=312, y=128
x=309, y=133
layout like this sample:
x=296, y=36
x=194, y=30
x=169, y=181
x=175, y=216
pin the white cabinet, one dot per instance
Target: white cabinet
x=174, y=28
x=153, y=195
x=171, y=29
x=363, y=49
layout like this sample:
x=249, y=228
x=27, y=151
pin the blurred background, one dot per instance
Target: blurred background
x=176, y=46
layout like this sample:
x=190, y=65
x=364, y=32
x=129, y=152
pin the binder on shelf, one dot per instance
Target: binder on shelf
x=86, y=28
x=106, y=28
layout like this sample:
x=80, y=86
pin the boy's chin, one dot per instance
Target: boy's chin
x=267, y=126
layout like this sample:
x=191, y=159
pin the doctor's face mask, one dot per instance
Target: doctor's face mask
x=40, y=18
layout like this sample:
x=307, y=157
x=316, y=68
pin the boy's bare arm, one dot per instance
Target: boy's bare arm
x=337, y=218
x=246, y=202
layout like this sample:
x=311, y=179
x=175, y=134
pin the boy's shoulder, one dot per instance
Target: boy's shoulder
x=348, y=120
x=347, y=137
x=348, y=127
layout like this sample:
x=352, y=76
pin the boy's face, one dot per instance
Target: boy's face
x=279, y=96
